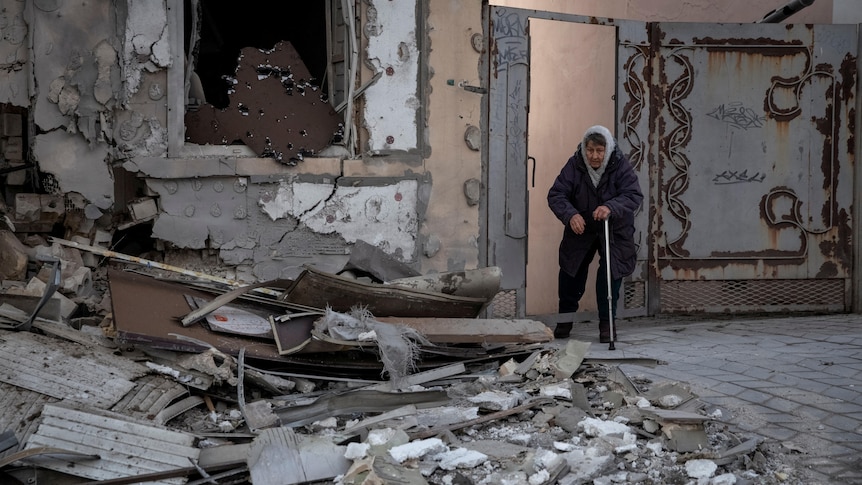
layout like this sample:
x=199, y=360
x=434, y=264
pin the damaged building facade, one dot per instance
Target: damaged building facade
x=261, y=140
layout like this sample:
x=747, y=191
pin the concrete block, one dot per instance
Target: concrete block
x=53, y=208
x=102, y=238
x=13, y=257
x=143, y=209
x=28, y=207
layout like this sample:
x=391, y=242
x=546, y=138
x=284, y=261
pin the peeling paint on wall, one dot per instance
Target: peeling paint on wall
x=392, y=103
x=13, y=54
x=147, y=46
x=76, y=166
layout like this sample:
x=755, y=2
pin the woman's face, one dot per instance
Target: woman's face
x=595, y=154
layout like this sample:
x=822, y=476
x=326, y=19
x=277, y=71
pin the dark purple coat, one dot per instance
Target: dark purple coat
x=573, y=193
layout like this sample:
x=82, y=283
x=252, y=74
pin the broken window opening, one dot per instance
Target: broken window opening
x=260, y=76
x=225, y=28
x=14, y=166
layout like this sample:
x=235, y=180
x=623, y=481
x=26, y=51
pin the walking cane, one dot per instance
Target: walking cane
x=610, y=293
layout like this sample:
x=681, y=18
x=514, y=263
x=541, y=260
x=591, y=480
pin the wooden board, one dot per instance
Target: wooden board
x=151, y=395
x=125, y=447
x=317, y=289
x=477, y=330
x=66, y=370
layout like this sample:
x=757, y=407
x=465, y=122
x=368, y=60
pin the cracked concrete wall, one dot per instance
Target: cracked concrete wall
x=270, y=226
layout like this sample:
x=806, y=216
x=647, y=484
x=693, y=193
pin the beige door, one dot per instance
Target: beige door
x=572, y=87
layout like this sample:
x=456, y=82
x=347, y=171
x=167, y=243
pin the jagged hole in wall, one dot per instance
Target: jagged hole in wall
x=259, y=77
x=226, y=27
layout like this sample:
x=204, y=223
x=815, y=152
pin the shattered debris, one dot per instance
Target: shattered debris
x=184, y=379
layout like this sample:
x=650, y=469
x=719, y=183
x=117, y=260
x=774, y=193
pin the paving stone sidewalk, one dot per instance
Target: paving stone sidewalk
x=796, y=380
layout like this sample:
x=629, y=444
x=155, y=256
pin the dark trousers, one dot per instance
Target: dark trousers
x=571, y=288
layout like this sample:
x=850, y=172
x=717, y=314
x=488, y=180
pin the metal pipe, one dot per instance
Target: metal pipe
x=779, y=14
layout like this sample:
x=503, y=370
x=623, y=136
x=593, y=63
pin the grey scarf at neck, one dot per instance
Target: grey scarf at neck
x=596, y=173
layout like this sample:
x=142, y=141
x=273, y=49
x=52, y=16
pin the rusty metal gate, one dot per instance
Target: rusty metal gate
x=742, y=135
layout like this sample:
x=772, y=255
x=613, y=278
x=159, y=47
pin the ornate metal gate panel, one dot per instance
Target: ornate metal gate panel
x=753, y=146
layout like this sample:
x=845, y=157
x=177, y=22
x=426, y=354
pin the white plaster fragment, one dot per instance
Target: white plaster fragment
x=460, y=458
x=417, y=449
x=723, y=479
x=161, y=52
x=598, y=427
x=556, y=390
x=446, y=415
x=700, y=468
x=670, y=401
x=377, y=437
x=655, y=447
x=539, y=477
x=495, y=400
x=356, y=451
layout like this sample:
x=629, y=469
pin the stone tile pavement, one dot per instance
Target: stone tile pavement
x=793, y=379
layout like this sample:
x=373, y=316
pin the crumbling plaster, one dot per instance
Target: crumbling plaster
x=14, y=54
x=392, y=103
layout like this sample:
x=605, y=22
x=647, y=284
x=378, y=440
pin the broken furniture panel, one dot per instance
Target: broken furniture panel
x=148, y=311
x=318, y=289
x=274, y=109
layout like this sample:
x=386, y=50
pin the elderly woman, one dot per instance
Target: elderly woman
x=595, y=184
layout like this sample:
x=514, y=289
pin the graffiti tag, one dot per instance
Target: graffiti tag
x=737, y=115
x=734, y=177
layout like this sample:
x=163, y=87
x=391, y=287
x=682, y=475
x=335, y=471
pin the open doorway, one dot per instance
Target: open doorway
x=572, y=87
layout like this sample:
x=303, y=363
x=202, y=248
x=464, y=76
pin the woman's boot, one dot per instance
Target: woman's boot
x=605, y=331
x=562, y=330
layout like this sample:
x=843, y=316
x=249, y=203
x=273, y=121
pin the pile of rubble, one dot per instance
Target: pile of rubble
x=180, y=380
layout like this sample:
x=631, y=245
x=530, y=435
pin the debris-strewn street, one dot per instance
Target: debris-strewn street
x=165, y=377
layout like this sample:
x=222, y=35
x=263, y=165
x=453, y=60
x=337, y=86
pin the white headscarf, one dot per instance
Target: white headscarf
x=596, y=174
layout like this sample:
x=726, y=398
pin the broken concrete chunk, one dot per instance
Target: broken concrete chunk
x=568, y=360
x=28, y=207
x=600, y=427
x=13, y=257
x=143, y=209
x=700, y=469
x=495, y=400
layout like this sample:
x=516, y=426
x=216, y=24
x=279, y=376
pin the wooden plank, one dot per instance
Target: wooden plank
x=66, y=370
x=19, y=407
x=151, y=395
x=477, y=330
x=126, y=448
x=318, y=289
